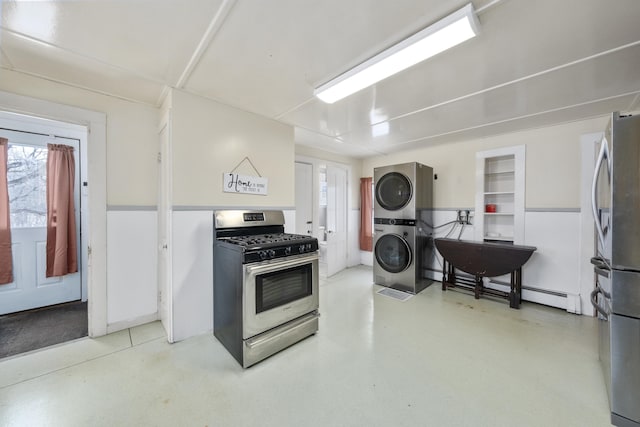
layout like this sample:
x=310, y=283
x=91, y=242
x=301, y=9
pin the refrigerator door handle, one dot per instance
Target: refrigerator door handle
x=594, y=302
x=601, y=266
x=606, y=294
x=602, y=156
x=602, y=272
x=599, y=262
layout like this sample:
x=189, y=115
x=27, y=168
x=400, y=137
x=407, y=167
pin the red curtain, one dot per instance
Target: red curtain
x=366, y=233
x=6, y=261
x=62, y=253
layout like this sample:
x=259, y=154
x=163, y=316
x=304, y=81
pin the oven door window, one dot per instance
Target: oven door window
x=283, y=286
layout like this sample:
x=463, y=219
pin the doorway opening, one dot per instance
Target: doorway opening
x=37, y=311
x=321, y=210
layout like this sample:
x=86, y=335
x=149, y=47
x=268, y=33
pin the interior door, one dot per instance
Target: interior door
x=304, y=198
x=336, y=220
x=27, y=203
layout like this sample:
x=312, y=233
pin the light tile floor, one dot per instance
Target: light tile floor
x=438, y=359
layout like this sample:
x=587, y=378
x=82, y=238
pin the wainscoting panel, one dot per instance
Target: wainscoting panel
x=132, y=285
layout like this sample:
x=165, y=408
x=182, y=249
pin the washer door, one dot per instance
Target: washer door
x=393, y=191
x=393, y=253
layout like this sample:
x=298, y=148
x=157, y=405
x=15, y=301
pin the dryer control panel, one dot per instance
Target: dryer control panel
x=394, y=221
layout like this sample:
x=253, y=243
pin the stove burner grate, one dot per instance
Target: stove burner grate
x=261, y=239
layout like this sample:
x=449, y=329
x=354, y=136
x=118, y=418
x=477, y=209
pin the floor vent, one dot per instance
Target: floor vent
x=395, y=294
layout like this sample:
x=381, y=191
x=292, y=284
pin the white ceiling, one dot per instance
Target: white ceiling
x=535, y=63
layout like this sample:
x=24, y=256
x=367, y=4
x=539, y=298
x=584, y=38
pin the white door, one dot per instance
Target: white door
x=304, y=198
x=336, y=220
x=27, y=203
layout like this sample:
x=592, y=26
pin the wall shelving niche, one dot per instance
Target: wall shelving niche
x=499, y=214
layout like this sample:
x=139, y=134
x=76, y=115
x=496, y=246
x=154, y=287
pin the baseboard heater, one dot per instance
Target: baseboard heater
x=498, y=282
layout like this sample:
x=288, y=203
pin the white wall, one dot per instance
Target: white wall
x=289, y=220
x=554, y=266
x=131, y=135
x=353, y=237
x=208, y=139
x=131, y=265
x=192, y=276
x=553, y=219
x=552, y=165
x=129, y=149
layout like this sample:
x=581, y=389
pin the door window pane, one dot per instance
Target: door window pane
x=27, y=177
x=322, y=205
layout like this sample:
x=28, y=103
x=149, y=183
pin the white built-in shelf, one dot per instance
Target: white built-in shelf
x=500, y=182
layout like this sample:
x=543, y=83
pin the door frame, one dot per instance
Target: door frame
x=588, y=146
x=332, y=235
x=165, y=225
x=313, y=207
x=92, y=127
x=57, y=133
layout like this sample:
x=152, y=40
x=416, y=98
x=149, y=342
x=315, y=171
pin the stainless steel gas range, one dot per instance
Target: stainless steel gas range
x=265, y=289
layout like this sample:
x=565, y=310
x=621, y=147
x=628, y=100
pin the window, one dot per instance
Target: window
x=27, y=179
x=322, y=205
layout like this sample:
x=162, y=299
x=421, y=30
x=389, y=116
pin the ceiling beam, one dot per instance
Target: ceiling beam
x=205, y=41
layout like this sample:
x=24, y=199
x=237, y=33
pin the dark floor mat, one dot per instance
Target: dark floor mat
x=31, y=330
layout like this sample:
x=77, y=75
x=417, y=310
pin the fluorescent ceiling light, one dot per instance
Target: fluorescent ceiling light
x=444, y=34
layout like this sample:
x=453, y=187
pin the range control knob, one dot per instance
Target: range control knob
x=272, y=253
x=287, y=250
x=263, y=255
x=301, y=249
x=308, y=246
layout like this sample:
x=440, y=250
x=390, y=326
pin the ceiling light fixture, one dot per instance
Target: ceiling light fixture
x=442, y=35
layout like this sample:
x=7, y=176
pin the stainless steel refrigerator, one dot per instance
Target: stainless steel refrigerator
x=616, y=298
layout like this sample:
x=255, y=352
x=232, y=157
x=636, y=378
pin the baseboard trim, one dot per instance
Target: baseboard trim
x=130, y=323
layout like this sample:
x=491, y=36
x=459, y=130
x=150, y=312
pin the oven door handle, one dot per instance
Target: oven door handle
x=266, y=266
x=284, y=331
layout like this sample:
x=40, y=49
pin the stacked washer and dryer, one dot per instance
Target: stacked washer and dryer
x=403, y=231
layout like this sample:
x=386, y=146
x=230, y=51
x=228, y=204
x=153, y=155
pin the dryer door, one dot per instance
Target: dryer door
x=393, y=191
x=393, y=253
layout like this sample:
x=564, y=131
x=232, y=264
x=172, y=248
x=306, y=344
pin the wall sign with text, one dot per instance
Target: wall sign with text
x=246, y=184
